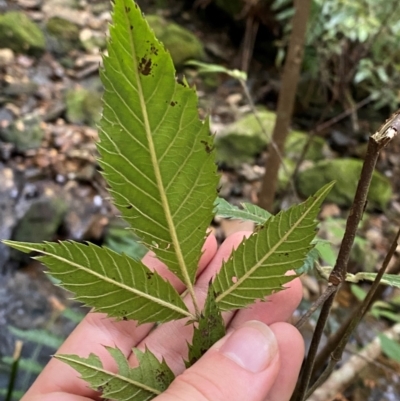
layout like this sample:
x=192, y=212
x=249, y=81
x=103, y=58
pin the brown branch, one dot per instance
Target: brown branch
x=287, y=94
x=376, y=142
x=361, y=311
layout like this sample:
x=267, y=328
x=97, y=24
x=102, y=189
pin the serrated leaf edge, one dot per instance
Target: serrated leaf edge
x=159, y=301
x=66, y=358
x=273, y=249
x=157, y=172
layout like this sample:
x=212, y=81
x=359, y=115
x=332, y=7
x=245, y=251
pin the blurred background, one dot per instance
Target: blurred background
x=51, y=187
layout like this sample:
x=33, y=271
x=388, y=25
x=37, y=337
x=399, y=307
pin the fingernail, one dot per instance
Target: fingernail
x=253, y=346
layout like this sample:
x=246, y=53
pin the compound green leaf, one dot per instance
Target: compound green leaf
x=156, y=154
x=111, y=283
x=143, y=383
x=257, y=268
x=248, y=212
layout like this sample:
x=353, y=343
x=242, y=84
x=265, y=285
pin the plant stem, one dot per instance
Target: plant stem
x=361, y=310
x=338, y=275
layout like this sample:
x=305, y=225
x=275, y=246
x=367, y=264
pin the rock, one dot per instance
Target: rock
x=244, y=139
x=180, y=42
x=8, y=194
x=83, y=106
x=64, y=35
x=296, y=141
x=6, y=57
x=25, y=133
x=40, y=223
x=20, y=34
x=92, y=41
x=346, y=172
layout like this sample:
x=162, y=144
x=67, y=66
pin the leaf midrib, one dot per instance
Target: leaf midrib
x=157, y=172
x=112, y=374
x=159, y=301
x=267, y=255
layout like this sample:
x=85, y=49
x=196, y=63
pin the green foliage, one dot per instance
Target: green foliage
x=258, y=266
x=158, y=159
x=339, y=32
x=111, y=283
x=248, y=212
x=143, y=383
x=390, y=347
x=210, y=329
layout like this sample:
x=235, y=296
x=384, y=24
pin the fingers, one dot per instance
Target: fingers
x=96, y=331
x=279, y=307
x=241, y=366
x=291, y=353
x=179, y=332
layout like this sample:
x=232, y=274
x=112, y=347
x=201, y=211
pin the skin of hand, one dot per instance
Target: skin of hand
x=258, y=360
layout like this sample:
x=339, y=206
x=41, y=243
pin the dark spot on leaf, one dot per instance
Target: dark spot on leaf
x=145, y=66
x=131, y=27
x=172, y=103
x=127, y=9
x=100, y=389
x=286, y=254
x=153, y=50
x=129, y=207
x=149, y=275
x=124, y=318
x=207, y=146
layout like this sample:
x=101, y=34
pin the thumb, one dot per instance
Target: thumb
x=241, y=366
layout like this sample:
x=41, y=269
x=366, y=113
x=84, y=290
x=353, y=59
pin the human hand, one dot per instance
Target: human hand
x=253, y=362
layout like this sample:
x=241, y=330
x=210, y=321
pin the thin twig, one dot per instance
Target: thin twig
x=322, y=298
x=338, y=275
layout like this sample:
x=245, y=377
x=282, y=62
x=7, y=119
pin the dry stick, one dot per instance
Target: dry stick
x=287, y=93
x=334, y=339
x=362, y=309
x=337, y=277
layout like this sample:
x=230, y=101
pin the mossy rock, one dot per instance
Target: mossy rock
x=25, y=133
x=64, y=34
x=180, y=42
x=346, y=172
x=295, y=143
x=241, y=141
x=40, y=223
x=19, y=33
x=83, y=106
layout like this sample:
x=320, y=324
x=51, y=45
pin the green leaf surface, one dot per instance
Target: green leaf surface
x=210, y=329
x=248, y=212
x=109, y=282
x=143, y=383
x=390, y=347
x=257, y=267
x=387, y=279
x=41, y=337
x=156, y=154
